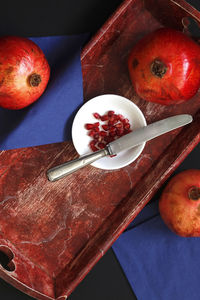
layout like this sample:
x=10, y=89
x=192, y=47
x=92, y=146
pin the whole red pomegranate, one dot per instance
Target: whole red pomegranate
x=24, y=72
x=179, y=204
x=164, y=67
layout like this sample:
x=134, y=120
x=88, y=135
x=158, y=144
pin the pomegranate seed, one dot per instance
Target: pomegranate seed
x=111, y=122
x=112, y=129
x=127, y=131
x=127, y=126
x=92, y=143
x=107, y=139
x=92, y=146
x=111, y=139
x=91, y=133
x=96, y=136
x=97, y=116
x=102, y=133
x=125, y=121
x=120, y=132
x=89, y=126
x=110, y=113
x=116, y=117
x=96, y=129
x=112, y=133
x=101, y=145
x=104, y=118
x=120, y=117
x=105, y=127
x=119, y=125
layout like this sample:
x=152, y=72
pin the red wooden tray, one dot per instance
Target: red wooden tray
x=52, y=234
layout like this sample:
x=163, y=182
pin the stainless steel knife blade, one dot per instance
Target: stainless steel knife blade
x=147, y=133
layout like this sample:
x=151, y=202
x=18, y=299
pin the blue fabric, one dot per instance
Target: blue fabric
x=49, y=119
x=158, y=263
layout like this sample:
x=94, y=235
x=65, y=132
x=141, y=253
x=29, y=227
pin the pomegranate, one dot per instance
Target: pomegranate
x=24, y=72
x=164, y=67
x=115, y=126
x=179, y=204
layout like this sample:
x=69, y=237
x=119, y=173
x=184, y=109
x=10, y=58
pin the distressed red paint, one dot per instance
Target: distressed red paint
x=58, y=231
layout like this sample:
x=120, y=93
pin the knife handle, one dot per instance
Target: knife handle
x=74, y=165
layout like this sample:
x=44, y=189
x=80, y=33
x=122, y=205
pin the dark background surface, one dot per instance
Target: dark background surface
x=50, y=17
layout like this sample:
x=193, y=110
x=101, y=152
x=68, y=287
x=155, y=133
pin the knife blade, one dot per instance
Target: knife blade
x=125, y=142
x=147, y=133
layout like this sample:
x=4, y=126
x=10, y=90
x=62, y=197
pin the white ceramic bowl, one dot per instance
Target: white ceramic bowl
x=102, y=104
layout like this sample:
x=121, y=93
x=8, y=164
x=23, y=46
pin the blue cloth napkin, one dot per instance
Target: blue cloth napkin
x=49, y=119
x=159, y=264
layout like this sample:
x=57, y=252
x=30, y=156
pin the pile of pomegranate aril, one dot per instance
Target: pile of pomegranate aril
x=111, y=128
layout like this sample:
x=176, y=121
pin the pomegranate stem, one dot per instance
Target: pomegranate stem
x=34, y=79
x=194, y=193
x=158, y=68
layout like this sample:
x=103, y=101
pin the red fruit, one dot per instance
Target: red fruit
x=112, y=121
x=91, y=133
x=112, y=133
x=127, y=126
x=89, y=126
x=125, y=121
x=97, y=116
x=120, y=132
x=105, y=127
x=108, y=139
x=120, y=117
x=102, y=133
x=116, y=117
x=116, y=126
x=110, y=113
x=104, y=118
x=96, y=136
x=24, y=72
x=112, y=129
x=93, y=146
x=119, y=125
x=101, y=145
x=164, y=67
x=180, y=204
x=96, y=129
x=127, y=131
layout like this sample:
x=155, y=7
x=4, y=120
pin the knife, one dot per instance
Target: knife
x=125, y=142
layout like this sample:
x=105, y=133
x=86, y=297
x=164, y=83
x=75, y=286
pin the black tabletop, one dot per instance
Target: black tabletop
x=49, y=17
